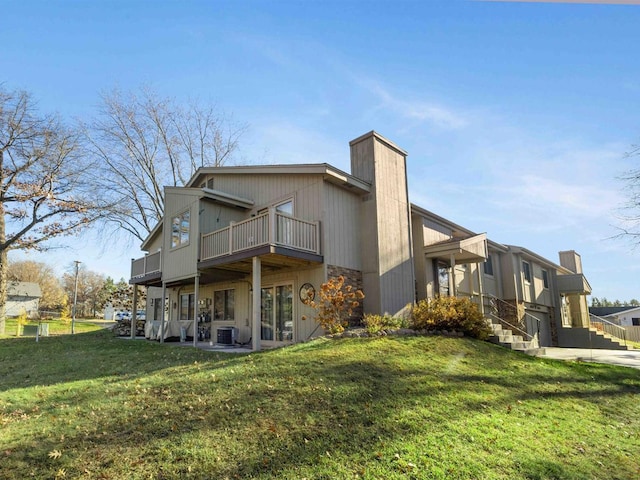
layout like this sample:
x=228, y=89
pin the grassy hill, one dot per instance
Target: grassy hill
x=97, y=407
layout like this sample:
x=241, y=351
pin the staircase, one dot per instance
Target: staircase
x=506, y=338
x=590, y=337
x=503, y=331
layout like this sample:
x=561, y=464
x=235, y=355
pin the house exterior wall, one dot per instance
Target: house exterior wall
x=15, y=305
x=341, y=232
x=578, y=303
x=179, y=263
x=303, y=316
x=626, y=317
x=268, y=189
x=386, y=246
x=368, y=231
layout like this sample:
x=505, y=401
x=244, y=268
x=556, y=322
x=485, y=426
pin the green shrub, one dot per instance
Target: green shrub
x=376, y=323
x=450, y=314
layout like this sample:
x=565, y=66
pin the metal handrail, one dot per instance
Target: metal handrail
x=493, y=300
x=608, y=327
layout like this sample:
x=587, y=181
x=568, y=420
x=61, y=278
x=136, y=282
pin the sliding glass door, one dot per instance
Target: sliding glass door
x=276, y=314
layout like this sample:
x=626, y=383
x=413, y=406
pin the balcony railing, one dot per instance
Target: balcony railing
x=269, y=228
x=146, y=265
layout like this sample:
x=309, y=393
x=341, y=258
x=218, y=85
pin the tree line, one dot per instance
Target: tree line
x=108, y=171
x=94, y=290
x=603, y=302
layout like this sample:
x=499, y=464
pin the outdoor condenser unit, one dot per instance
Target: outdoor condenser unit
x=227, y=335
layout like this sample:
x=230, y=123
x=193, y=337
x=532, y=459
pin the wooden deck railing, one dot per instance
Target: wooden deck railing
x=270, y=228
x=151, y=263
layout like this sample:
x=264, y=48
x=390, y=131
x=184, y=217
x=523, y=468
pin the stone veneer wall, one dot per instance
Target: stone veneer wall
x=354, y=278
x=554, y=327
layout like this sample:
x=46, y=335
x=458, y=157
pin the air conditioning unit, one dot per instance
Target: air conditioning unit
x=227, y=335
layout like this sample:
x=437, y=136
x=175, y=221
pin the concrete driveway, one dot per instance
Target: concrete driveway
x=625, y=358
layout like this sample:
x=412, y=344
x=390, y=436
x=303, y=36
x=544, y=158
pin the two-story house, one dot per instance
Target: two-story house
x=240, y=248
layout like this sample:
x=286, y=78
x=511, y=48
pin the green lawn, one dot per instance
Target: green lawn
x=56, y=327
x=97, y=407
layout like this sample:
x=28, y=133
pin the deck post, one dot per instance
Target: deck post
x=134, y=309
x=257, y=303
x=272, y=226
x=195, y=309
x=162, y=319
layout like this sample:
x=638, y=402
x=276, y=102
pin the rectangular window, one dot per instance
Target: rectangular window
x=545, y=278
x=488, y=266
x=526, y=270
x=635, y=322
x=187, y=306
x=224, y=305
x=180, y=230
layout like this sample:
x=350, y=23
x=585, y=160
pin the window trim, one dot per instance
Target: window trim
x=179, y=217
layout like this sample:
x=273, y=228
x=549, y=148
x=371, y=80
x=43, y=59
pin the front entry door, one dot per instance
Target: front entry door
x=276, y=314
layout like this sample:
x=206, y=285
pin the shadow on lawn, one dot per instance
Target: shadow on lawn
x=86, y=356
x=297, y=420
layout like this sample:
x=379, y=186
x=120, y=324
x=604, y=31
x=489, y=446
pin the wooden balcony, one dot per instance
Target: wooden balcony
x=147, y=269
x=271, y=228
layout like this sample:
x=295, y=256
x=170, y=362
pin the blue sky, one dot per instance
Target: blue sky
x=516, y=115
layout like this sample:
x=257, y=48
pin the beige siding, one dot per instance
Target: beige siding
x=214, y=216
x=419, y=260
x=267, y=189
x=434, y=232
x=341, y=227
x=156, y=243
x=180, y=262
x=387, y=260
x=491, y=283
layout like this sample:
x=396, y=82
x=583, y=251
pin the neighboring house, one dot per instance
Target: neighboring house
x=240, y=246
x=624, y=316
x=22, y=297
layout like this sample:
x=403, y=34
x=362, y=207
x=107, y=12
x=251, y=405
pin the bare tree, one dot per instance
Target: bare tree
x=631, y=209
x=144, y=143
x=91, y=290
x=38, y=272
x=43, y=191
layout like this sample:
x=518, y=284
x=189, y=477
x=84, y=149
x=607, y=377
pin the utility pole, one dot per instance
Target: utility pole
x=75, y=300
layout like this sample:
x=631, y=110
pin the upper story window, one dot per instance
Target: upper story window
x=207, y=184
x=180, y=229
x=545, y=278
x=526, y=271
x=488, y=266
x=282, y=207
x=285, y=207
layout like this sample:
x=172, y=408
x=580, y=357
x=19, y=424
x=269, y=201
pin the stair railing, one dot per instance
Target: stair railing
x=493, y=314
x=603, y=325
